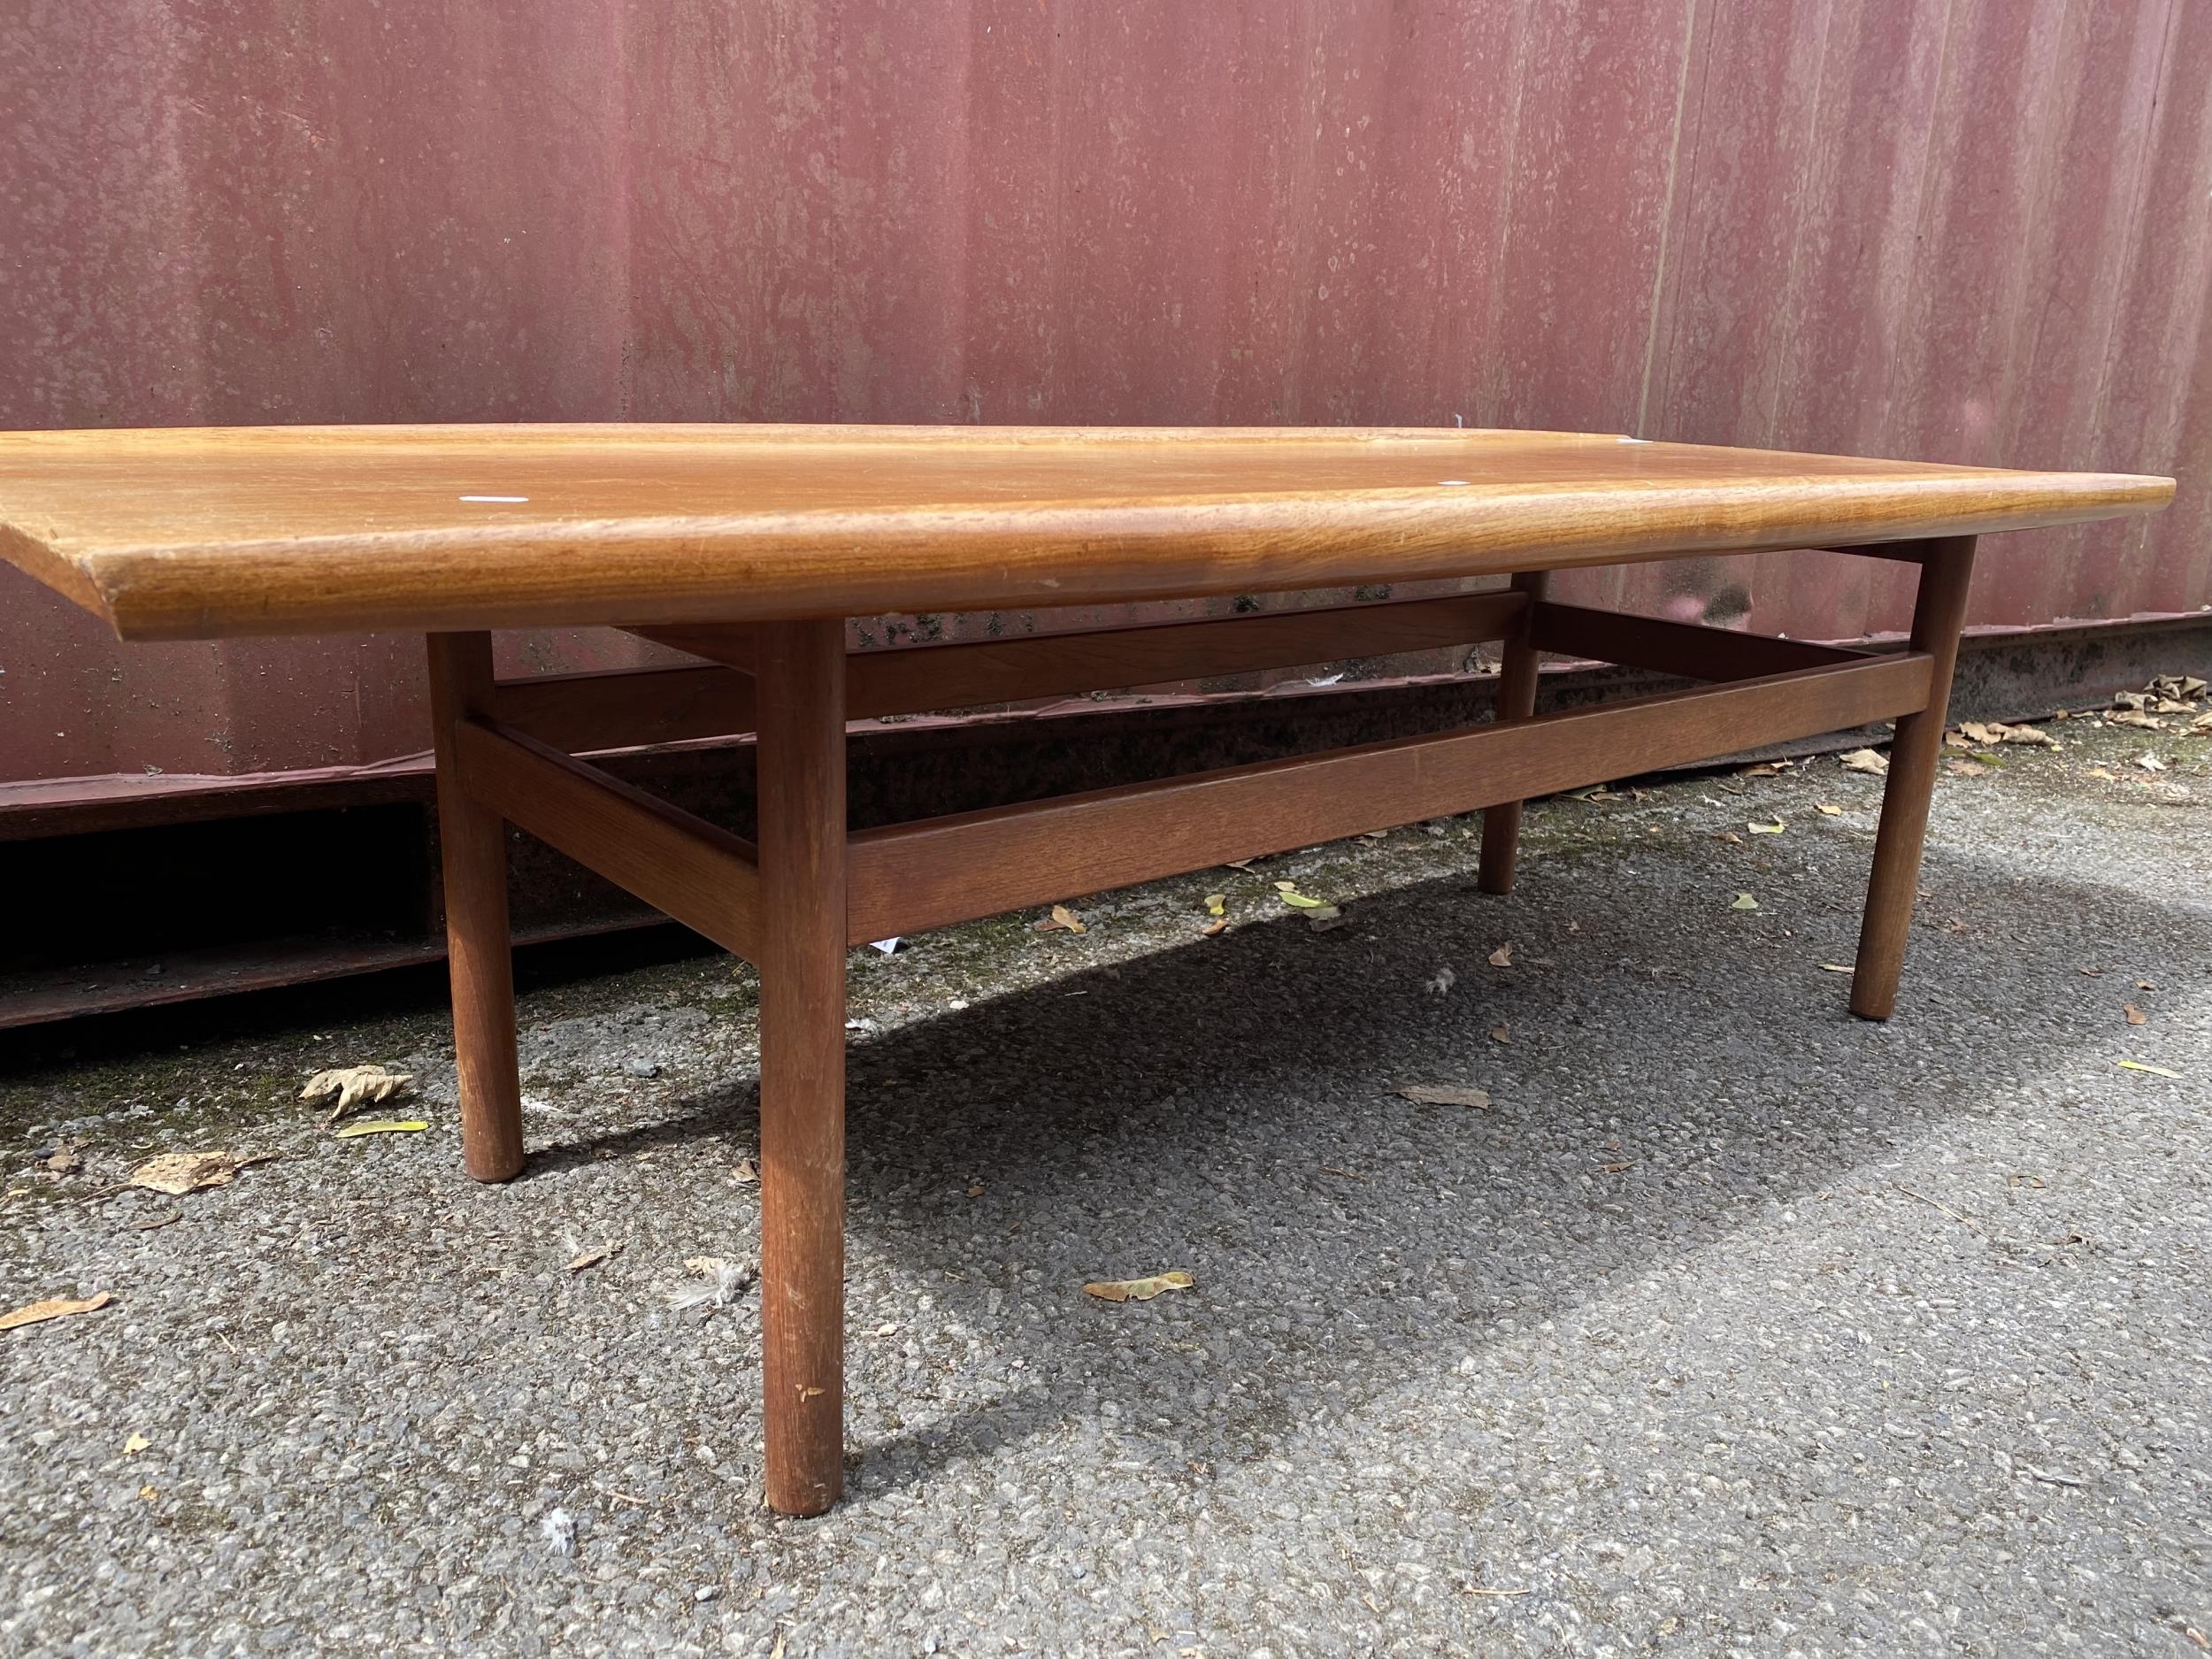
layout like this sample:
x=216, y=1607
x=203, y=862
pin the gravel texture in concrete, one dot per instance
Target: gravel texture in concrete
x=1732, y=1324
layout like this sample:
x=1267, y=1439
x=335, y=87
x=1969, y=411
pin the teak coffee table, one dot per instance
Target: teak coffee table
x=749, y=546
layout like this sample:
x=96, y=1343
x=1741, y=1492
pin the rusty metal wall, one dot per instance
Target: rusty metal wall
x=1974, y=230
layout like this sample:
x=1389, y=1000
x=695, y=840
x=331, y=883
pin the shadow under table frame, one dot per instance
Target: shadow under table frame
x=794, y=901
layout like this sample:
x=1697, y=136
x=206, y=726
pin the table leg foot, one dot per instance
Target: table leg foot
x=479, y=952
x=1939, y=613
x=1517, y=701
x=802, y=795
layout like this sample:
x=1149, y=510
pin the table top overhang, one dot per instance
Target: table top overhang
x=184, y=533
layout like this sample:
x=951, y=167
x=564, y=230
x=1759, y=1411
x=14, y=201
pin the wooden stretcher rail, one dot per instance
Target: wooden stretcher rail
x=617, y=708
x=921, y=679
x=1688, y=648
x=687, y=869
x=912, y=877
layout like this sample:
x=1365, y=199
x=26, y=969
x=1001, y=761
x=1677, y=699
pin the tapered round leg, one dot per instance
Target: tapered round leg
x=473, y=840
x=1517, y=701
x=1939, y=613
x=802, y=794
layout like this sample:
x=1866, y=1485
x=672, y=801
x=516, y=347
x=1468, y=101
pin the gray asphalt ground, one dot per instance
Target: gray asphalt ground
x=1733, y=1326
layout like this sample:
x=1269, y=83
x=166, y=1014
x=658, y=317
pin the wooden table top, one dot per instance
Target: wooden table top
x=189, y=533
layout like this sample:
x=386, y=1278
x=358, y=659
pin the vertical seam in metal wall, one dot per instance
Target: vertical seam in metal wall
x=1936, y=107
x=2138, y=196
x=1690, y=42
x=1491, y=389
x=1768, y=434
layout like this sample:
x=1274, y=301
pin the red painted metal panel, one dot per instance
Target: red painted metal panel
x=1964, y=229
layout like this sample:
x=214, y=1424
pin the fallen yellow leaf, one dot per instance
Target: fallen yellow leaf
x=1773, y=827
x=381, y=1126
x=53, y=1308
x=1833, y=967
x=136, y=1444
x=2144, y=1065
x=1292, y=896
x=1745, y=902
x=1138, y=1289
x=1216, y=904
x=1827, y=809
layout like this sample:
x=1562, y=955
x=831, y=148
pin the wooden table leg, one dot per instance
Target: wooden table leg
x=1517, y=701
x=1939, y=613
x=478, y=950
x=802, y=794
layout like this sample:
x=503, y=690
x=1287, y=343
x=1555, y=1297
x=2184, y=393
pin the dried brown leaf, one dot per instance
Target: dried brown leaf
x=1138, y=1289
x=1445, y=1095
x=1061, y=919
x=1868, y=760
x=2135, y=1015
x=1827, y=809
x=1503, y=956
x=53, y=1308
x=177, y=1173
x=1501, y=1034
x=352, y=1086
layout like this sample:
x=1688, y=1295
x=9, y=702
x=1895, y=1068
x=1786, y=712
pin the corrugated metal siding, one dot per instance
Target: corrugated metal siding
x=1960, y=229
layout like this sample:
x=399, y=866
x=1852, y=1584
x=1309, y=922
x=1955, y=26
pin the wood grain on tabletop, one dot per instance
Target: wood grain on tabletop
x=179, y=533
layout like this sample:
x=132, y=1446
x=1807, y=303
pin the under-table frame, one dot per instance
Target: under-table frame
x=792, y=902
